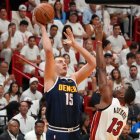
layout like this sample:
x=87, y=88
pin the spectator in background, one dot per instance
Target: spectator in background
x=90, y=28
x=85, y=126
x=3, y=101
x=32, y=91
x=116, y=79
x=3, y=104
x=108, y=29
x=117, y=41
x=81, y=5
x=67, y=49
x=72, y=8
x=32, y=4
x=82, y=87
x=26, y=122
x=134, y=78
x=77, y=28
x=21, y=15
x=70, y=67
x=134, y=47
x=3, y=21
x=11, y=41
x=52, y=2
x=56, y=36
x=122, y=14
x=13, y=131
x=24, y=32
x=5, y=78
x=38, y=132
x=125, y=133
x=109, y=67
x=137, y=62
x=136, y=126
x=13, y=93
x=88, y=12
x=124, y=69
x=59, y=13
x=88, y=45
x=134, y=111
x=107, y=48
x=42, y=116
x=31, y=53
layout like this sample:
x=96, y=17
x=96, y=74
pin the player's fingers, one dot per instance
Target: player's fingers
x=66, y=35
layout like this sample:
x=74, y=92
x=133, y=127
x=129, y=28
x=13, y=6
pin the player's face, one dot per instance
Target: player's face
x=61, y=66
x=120, y=93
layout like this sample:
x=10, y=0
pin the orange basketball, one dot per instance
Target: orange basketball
x=44, y=13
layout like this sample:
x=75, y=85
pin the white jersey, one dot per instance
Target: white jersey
x=107, y=124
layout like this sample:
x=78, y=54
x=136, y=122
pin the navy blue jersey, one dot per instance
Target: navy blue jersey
x=63, y=103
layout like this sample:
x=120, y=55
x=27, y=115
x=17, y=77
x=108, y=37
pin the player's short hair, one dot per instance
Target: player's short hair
x=129, y=95
x=58, y=56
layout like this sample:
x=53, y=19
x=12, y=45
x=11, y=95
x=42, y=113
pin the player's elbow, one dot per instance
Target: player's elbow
x=92, y=63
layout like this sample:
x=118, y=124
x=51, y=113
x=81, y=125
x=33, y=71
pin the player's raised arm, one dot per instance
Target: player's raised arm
x=86, y=70
x=104, y=87
x=49, y=73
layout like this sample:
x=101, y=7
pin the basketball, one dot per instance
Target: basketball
x=44, y=13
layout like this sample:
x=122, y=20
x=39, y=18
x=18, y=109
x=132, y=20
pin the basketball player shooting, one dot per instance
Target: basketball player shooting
x=62, y=98
x=112, y=113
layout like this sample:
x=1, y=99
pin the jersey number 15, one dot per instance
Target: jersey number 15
x=69, y=99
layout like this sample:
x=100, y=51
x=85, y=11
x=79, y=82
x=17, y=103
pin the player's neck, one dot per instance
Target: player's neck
x=122, y=102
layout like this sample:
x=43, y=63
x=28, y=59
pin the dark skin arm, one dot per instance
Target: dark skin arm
x=104, y=87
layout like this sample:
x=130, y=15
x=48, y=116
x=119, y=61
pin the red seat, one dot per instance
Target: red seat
x=137, y=29
x=29, y=15
x=77, y=54
x=87, y=108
